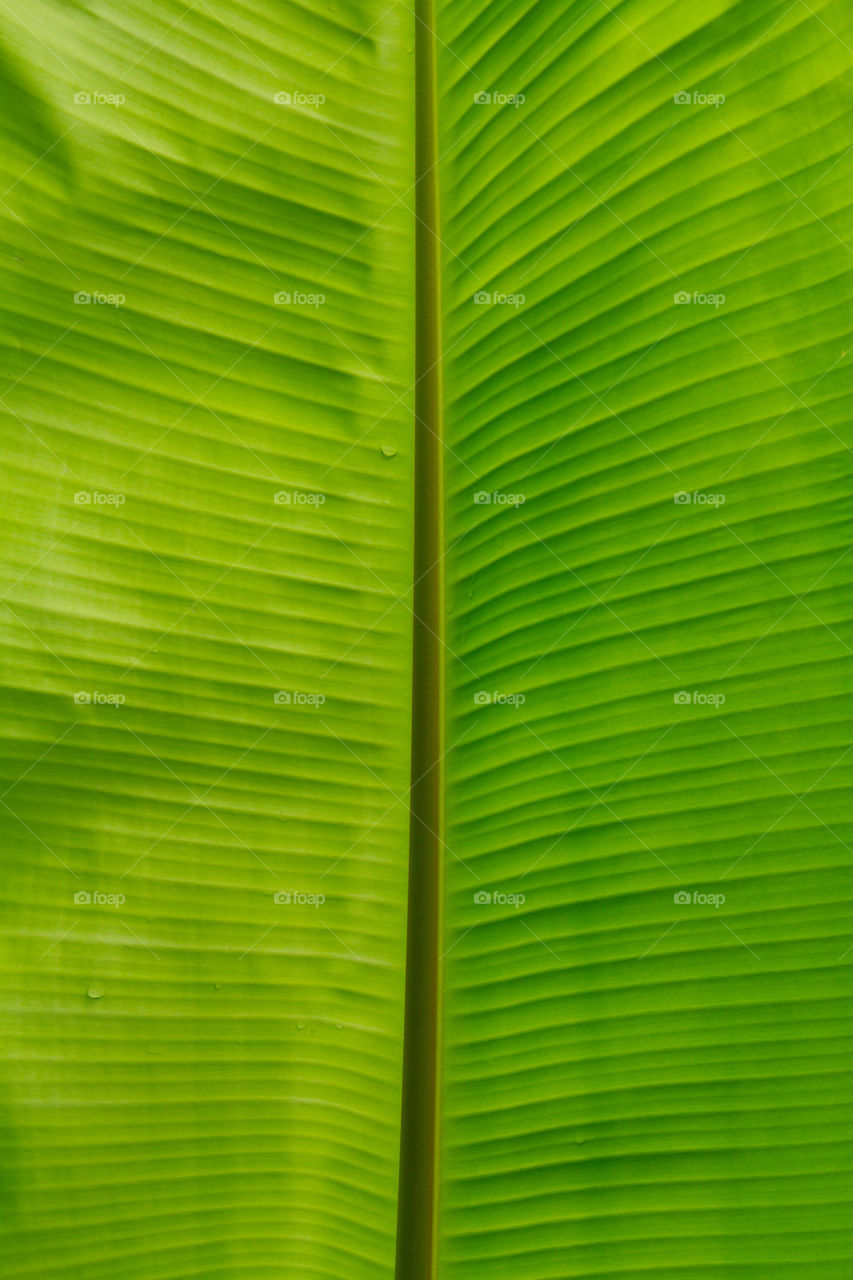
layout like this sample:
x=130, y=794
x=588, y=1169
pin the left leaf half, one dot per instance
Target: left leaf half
x=207, y=456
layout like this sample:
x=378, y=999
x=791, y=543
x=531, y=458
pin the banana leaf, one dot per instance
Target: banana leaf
x=425, y=634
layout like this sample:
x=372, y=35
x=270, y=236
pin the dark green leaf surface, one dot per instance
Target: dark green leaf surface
x=634, y=1085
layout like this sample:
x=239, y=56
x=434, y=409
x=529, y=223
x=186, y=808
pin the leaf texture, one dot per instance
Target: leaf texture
x=208, y=429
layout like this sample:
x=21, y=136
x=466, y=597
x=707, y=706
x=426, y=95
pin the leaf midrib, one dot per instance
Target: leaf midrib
x=416, y=1209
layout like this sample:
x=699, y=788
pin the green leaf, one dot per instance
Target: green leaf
x=551, y=303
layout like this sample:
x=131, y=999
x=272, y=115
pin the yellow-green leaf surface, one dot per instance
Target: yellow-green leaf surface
x=205, y=304
x=647, y=1026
